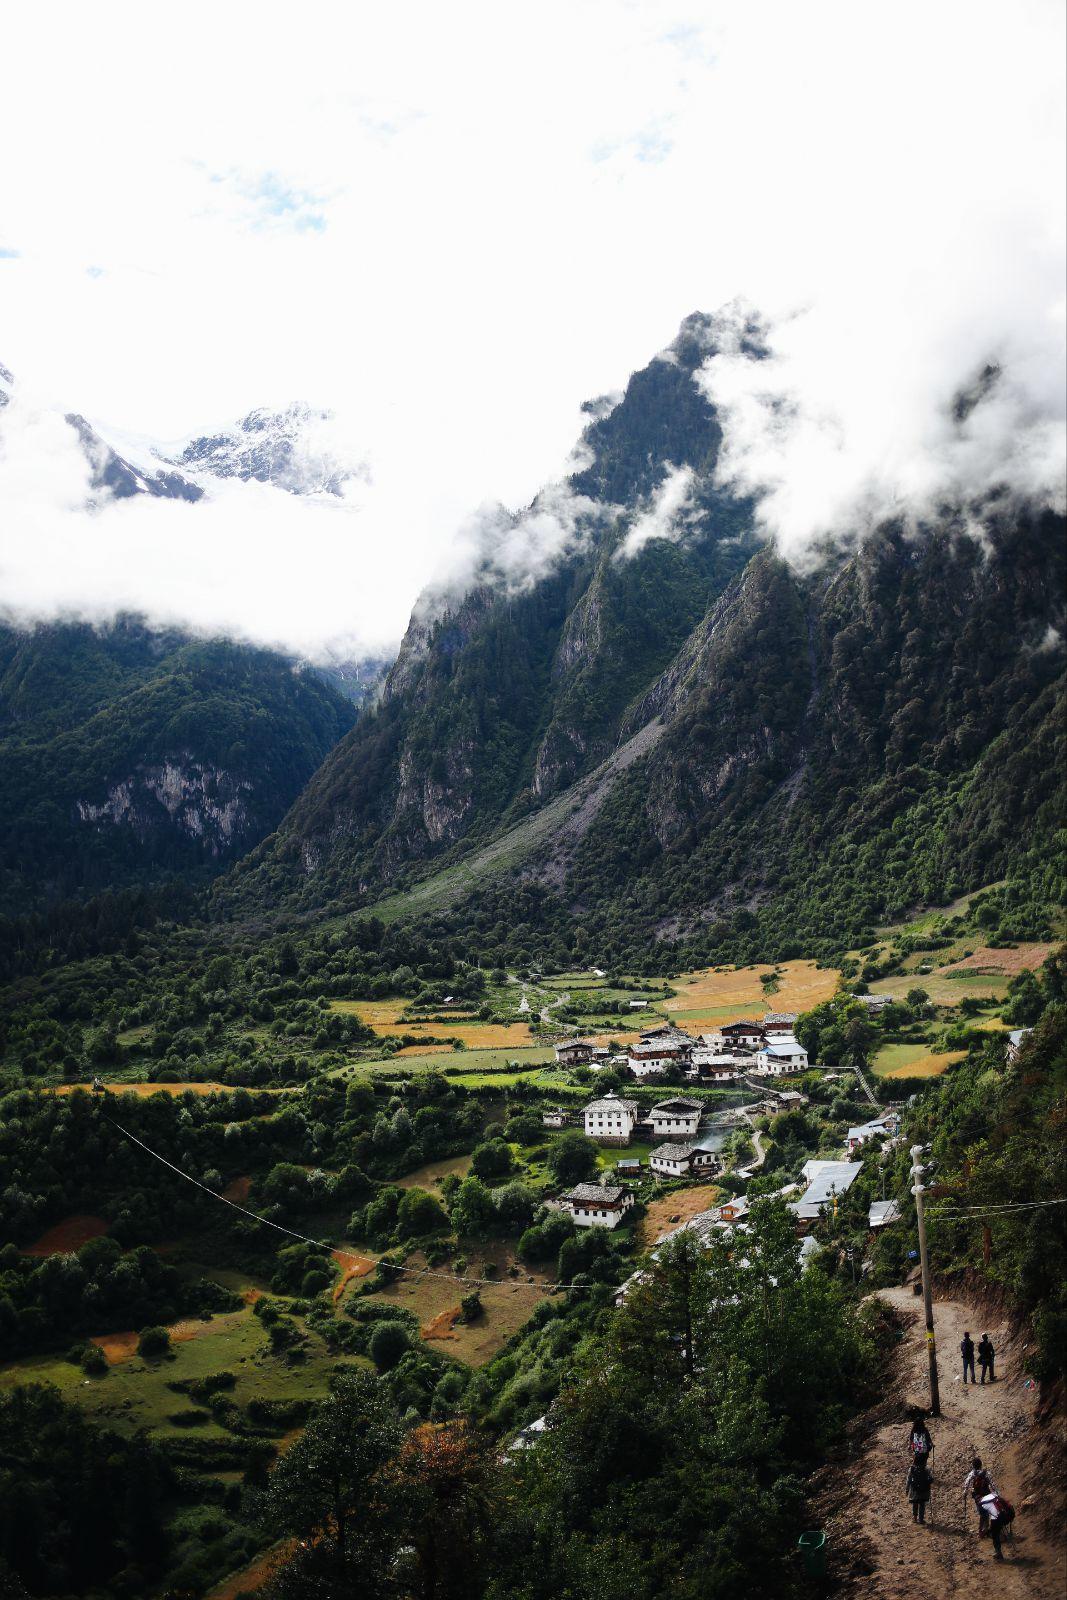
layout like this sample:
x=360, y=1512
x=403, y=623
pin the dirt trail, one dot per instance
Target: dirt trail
x=945, y=1558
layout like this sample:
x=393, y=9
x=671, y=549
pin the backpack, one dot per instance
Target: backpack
x=980, y=1484
x=1005, y=1511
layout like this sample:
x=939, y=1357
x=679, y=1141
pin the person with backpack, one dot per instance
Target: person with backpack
x=918, y=1485
x=1000, y=1514
x=978, y=1484
x=967, y=1352
x=986, y=1357
x=919, y=1440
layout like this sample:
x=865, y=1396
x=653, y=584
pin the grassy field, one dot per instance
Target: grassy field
x=134, y=1394
x=144, y=1090
x=429, y=1176
x=912, y=1061
x=435, y=1301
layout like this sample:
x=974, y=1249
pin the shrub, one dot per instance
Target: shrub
x=388, y=1343
x=491, y=1160
x=420, y=1214
x=153, y=1342
x=471, y=1307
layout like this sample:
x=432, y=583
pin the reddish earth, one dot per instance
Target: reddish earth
x=70, y=1234
x=352, y=1266
x=238, y=1190
x=121, y=1346
x=440, y=1327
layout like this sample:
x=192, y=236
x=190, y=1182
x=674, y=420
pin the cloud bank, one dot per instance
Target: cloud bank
x=449, y=225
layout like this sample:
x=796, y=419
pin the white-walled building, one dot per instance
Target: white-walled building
x=785, y=1056
x=595, y=1205
x=554, y=1117
x=676, y=1118
x=610, y=1120
x=743, y=1035
x=672, y=1160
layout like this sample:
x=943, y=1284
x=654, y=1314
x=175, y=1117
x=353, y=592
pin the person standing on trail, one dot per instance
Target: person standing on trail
x=967, y=1352
x=919, y=1481
x=919, y=1440
x=986, y=1357
x=978, y=1484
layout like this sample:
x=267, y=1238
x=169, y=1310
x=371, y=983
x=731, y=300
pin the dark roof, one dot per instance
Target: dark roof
x=611, y=1102
x=595, y=1194
x=672, y=1152
x=678, y=1103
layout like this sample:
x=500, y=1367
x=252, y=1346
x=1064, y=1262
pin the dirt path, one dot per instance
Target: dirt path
x=901, y=1561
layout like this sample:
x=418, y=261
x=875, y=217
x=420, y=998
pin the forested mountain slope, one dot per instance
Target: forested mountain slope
x=504, y=695
x=127, y=753
x=818, y=749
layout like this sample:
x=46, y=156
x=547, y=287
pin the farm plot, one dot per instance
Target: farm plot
x=386, y=1016
x=707, y=995
x=913, y=1061
x=673, y=1209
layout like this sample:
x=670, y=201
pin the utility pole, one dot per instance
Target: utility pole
x=924, y=1264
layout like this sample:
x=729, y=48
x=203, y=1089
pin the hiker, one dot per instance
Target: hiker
x=986, y=1357
x=1000, y=1513
x=919, y=1440
x=967, y=1352
x=978, y=1484
x=918, y=1485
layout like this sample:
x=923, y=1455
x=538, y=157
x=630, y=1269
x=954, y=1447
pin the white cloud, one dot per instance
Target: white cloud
x=670, y=515
x=450, y=224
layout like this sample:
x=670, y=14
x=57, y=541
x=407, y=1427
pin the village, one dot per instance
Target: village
x=742, y=1054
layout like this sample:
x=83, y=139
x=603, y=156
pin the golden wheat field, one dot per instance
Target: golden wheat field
x=708, y=995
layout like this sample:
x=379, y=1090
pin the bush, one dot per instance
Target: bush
x=153, y=1342
x=471, y=1307
x=491, y=1160
x=94, y=1361
x=388, y=1343
x=572, y=1157
x=420, y=1214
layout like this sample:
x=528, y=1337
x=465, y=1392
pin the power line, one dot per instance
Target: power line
x=349, y=1255
x=994, y=1208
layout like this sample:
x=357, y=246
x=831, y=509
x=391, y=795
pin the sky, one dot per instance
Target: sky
x=450, y=225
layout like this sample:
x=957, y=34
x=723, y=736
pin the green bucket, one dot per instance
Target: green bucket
x=812, y=1547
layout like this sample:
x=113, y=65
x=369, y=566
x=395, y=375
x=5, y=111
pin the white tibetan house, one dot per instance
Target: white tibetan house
x=595, y=1205
x=610, y=1120
x=677, y=1118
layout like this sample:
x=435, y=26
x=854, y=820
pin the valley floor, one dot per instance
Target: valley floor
x=863, y=1504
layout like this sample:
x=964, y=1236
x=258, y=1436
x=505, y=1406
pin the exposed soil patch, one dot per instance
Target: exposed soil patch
x=352, y=1266
x=677, y=1208
x=238, y=1190
x=144, y=1090
x=68, y=1235
x=441, y=1326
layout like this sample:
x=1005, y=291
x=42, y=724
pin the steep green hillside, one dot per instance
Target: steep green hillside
x=499, y=699
x=697, y=751
x=127, y=754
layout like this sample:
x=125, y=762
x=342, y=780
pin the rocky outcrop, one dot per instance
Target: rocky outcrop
x=203, y=802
